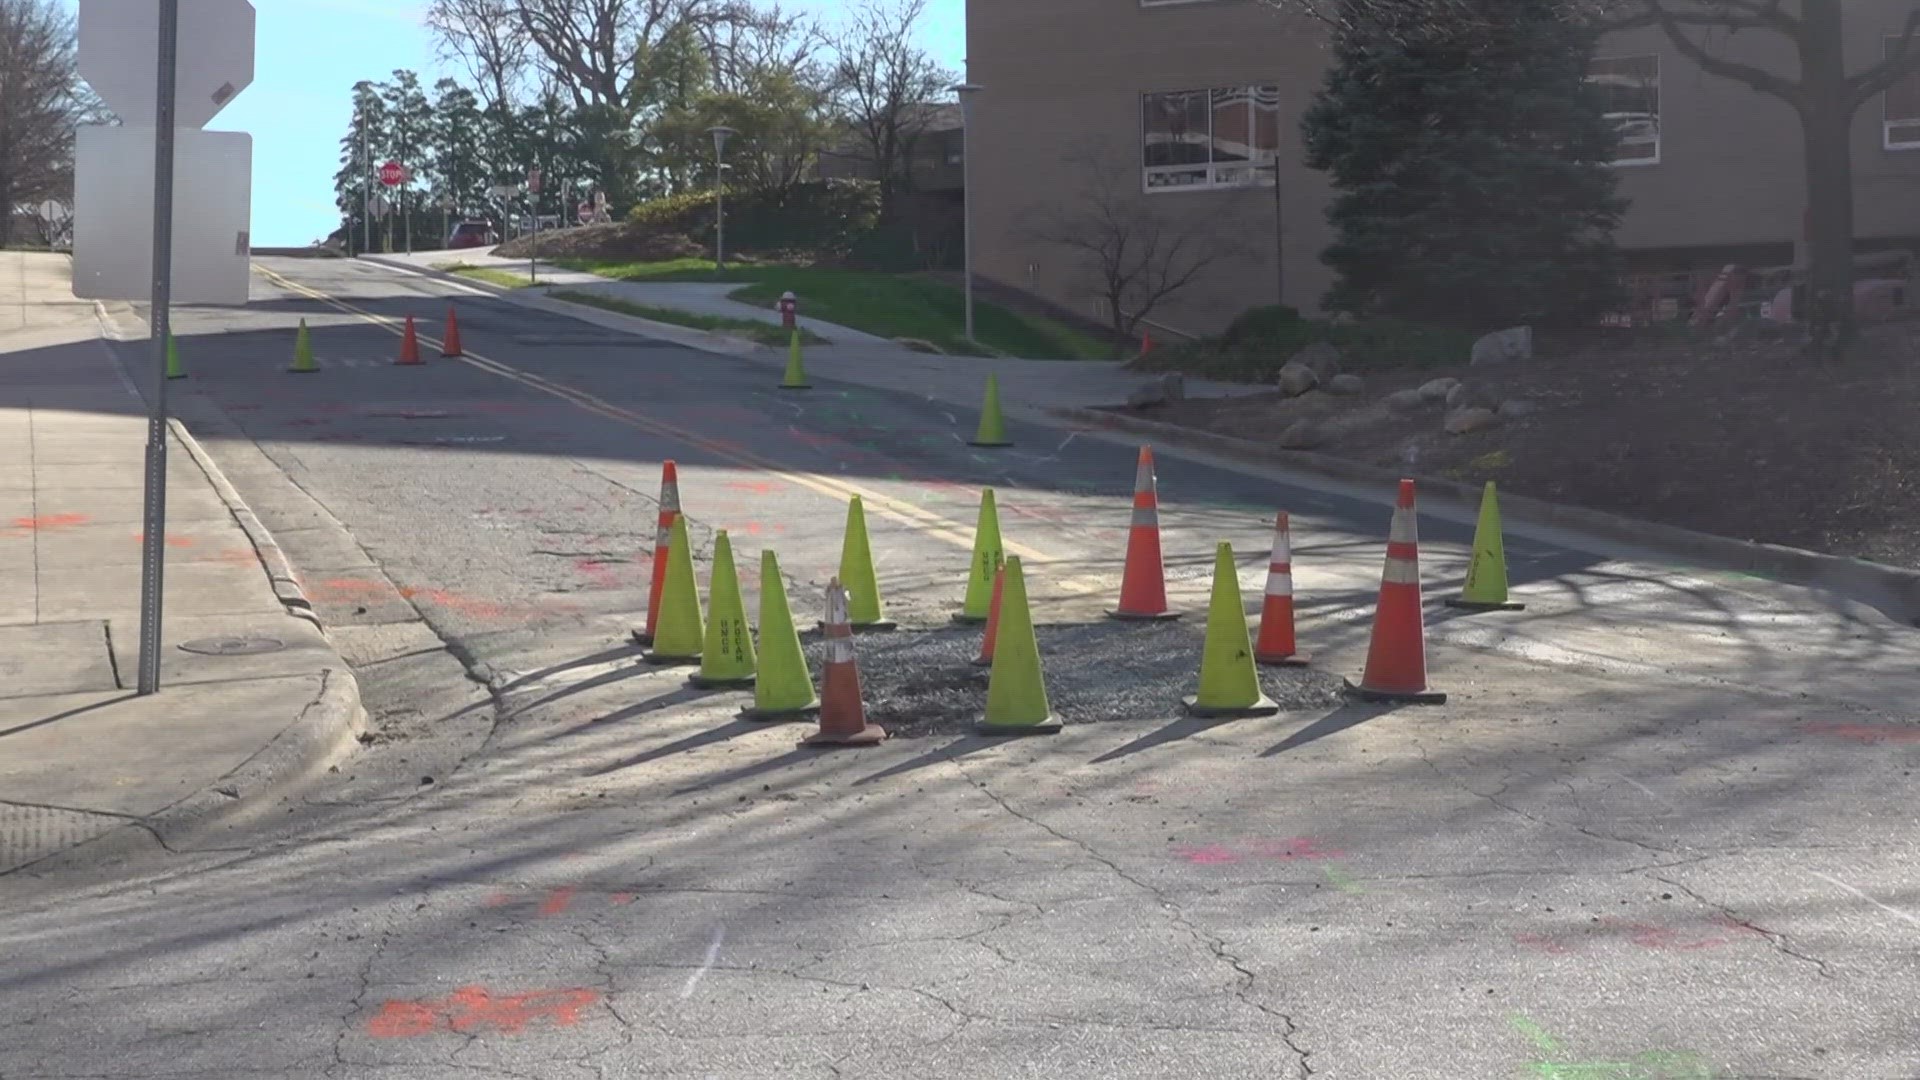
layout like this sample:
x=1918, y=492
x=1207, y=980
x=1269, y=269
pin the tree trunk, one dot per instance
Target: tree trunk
x=1825, y=128
x=6, y=209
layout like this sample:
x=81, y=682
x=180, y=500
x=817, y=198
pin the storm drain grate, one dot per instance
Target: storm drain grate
x=30, y=833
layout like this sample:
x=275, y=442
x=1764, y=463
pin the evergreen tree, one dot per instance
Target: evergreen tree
x=1473, y=184
x=360, y=155
x=457, y=151
x=409, y=130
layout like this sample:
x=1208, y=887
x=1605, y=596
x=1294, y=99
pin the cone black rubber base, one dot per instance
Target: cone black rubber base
x=303, y=371
x=978, y=662
x=1128, y=616
x=1298, y=659
x=182, y=375
x=1469, y=605
x=989, y=445
x=871, y=735
x=799, y=386
x=964, y=619
x=701, y=682
x=671, y=661
x=881, y=627
x=1391, y=697
x=1050, y=726
x=1266, y=706
x=780, y=716
x=641, y=637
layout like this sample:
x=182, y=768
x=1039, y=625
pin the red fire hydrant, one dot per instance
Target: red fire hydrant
x=789, y=310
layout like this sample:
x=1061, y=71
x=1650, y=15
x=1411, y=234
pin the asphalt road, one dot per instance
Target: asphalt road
x=1664, y=829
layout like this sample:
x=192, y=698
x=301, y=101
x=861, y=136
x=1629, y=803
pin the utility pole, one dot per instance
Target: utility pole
x=366, y=189
x=154, y=540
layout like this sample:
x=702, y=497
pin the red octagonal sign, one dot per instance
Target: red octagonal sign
x=393, y=174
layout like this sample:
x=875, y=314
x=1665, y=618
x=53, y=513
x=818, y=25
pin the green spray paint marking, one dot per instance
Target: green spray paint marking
x=1343, y=881
x=1653, y=1065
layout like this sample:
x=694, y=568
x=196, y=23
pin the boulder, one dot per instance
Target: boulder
x=1348, y=385
x=1502, y=346
x=1161, y=391
x=1436, y=391
x=1469, y=396
x=1405, y=401
x=1321, y=358
x=1518, y=407
x=1463, y=421
x=1305, y=435
x=1296, y=378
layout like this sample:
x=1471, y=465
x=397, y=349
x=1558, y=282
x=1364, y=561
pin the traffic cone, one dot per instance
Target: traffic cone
x=796, y=378
x=985, y=659
x=450, y=348
x=1229, y=683
x=303, y=353
x=662, y=543
x=1397, y=655
x=993, y=424
x=856, y=569
x=409, y=346
x=680, y=636
x=1146, y=343
x=843, y=718
x=1143, y=588
x=1017, y=689
x=726, y=658
x=174, y=370
x=1276, y=645
x=785, y=688
x=987, y=554
x=1487, y=575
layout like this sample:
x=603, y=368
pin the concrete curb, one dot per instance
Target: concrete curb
x=280, y=574
x=1893, y=589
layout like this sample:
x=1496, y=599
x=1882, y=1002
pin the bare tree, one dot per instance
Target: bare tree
x=488, y=38
x=886, y=87
x=1131, y=254
x=40, y=104
x=591, y=46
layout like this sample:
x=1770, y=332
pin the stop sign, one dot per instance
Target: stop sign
x=393, y=174
x=586, y=213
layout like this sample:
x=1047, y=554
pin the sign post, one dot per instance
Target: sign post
x=533, y=205
x=153, y=560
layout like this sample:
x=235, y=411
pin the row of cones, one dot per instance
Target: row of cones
x=996, y=596
x=304, y=363
x=992, y=431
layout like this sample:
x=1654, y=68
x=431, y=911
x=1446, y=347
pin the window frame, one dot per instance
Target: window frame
x=1887, y=122
x=1659, y=108
x=1259, y=174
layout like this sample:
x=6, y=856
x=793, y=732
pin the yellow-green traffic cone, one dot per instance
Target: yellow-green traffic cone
x=174, y=370
x=796, y=371
x=727, y=660
x=785, y=687
x=1229, y=682
x=1487, y=575
x=856, y=573
x=993, y=424
x=679, y=636
x=987, y=556
x=1017, y=688
x=303, y=353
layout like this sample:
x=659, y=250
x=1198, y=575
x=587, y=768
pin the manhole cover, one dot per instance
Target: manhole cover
x=233, y=646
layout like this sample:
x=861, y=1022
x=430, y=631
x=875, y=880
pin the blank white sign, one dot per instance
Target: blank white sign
x=113, y=215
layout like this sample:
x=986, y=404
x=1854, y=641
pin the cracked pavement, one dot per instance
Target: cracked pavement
x=1663, y=830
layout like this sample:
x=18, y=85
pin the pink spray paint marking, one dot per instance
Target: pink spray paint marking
x=1871, y=734
x=1294, y=849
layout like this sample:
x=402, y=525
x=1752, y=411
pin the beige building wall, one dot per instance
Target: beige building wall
x=1060, y=75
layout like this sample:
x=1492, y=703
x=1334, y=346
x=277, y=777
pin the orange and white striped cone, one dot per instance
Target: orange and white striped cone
x=1277, y=646
x=985, y=659
x=1143, y=588
x=662, y=540
x=410, y=346
x=843, y=718
x=1397, y=655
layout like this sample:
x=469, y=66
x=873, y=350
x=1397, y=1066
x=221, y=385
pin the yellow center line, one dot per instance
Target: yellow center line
x=882, y=505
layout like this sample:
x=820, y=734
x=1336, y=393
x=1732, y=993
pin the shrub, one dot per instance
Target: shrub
x=822, y=218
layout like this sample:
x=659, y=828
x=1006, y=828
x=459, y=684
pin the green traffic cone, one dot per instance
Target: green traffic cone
x=681, y=635
x=784, y=690
x=796, y=378
x=303, y=353
x=1017, y=688
x=993, y=424
x=857, y=574
x=1486, y=588
x=727, y=659
x=987, y=556
x=1229, y=682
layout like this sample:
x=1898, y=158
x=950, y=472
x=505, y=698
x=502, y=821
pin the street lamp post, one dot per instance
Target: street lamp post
x=720, y=134
x=966, y=91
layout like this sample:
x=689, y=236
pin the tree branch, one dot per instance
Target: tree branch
x=1905, y=61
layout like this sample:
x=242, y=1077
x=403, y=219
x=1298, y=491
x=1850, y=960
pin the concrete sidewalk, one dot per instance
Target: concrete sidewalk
x=252, y=696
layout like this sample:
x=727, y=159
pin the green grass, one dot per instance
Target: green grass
x=887, y=305
x=764, y=333
x=506, y=279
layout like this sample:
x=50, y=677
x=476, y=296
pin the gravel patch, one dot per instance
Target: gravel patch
x=920, y=683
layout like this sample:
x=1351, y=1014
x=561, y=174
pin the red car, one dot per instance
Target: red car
x=472, y=234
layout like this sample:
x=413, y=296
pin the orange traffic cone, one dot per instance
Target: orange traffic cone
x=451, y=347
x=662, y=540
x=1397, y=655
x=409, y=346
x=1143, y=589
x=1276, y=645
x=985, y=659
x=843, y=719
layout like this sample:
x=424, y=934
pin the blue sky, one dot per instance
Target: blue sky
x=311, y=52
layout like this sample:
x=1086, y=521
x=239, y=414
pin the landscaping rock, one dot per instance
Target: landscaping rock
x=1469, y=396
x=1436, y=391
x=1322, y=358
x=1305, y=435
x=1502, y=346
x=1348, y=385
x=1405, y=401
x=1161, y=391
x=1518, y=407
x=1464, y=421
x=1296, y=378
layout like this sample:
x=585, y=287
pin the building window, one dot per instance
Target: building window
x=1210, y=138
x=1629, y=88
x=1902, y=121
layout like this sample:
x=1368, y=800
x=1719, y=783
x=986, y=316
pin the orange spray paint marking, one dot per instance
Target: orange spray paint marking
x=172, y=541
x=757, y=487
x=50, y=521
x=1864, y=733
x=558, y=902
x=475, y=1009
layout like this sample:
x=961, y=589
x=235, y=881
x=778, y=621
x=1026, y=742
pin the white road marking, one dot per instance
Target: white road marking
x=1893, y=911
x=713, y=954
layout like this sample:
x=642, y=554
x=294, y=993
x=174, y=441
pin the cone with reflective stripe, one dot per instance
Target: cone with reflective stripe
x=409, y=346
x=1143, y=588
x=985, y=659
x=785, y=687
x=1487, y=576
x=680, y=635
x=843, y=718
x=987, y=554
x=1277, y=645
x=1017, y=688
x=796, y=378
x=1397, y=655
x=662, y=541
x=303, y=352
x=1229, y=683
x=856, y=570
x=726, y=657
x=450, y=348
x=993, y=424
x=174, y=370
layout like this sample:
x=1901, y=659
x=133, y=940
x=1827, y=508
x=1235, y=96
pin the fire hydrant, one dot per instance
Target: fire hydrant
x=789, y=310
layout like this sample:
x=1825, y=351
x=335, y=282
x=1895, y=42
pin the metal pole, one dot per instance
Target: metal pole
x=366, y=191
x=406, y=213
x=966, y=206
x=719, y=213
x=1279, y=239
x=153, y=553
x=533, y=263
